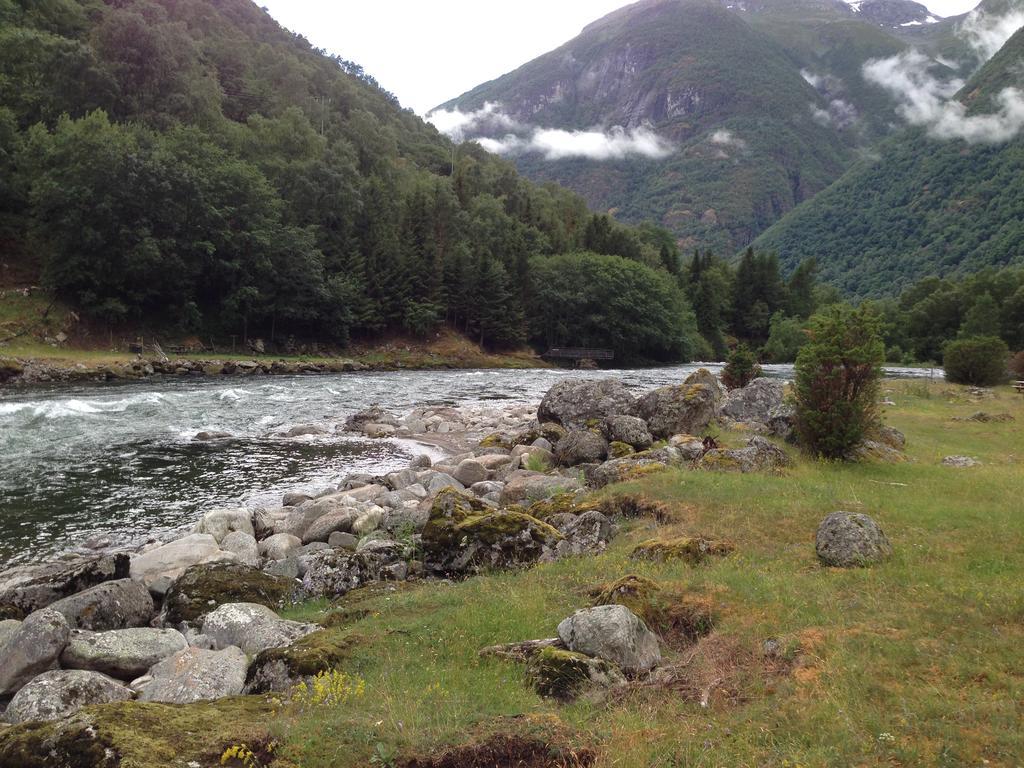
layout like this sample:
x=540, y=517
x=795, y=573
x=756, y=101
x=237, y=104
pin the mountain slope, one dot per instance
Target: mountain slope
x=921, y=205
x=762, y=103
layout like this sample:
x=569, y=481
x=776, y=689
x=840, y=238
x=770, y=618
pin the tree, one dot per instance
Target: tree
x=785, y=337
x=800, y=289
x=837, y=381
x=741, y=368
x=982, y=319
x=981, y=361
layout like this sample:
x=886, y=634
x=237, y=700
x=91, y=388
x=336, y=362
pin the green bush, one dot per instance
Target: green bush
x=741, y=368
x=980, y=361
x=837, y=380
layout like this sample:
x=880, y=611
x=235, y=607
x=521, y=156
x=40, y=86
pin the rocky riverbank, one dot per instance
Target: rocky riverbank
x=194, y=617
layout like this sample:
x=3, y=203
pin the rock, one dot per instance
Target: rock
x=760, y=455
x=873, y=450
x=782, y=422
x=422, y=461
x=300, y=518
x=220, y=522
x=338, y=571
x=630, y=430
x=754, y=402
x=573, y=403
x=613, y=633
x=581, y=447
x=372, y=415
x=285, y=569
x=32, y=649
x=61, y=692
x=111, y=605
x=403, y=479
x=251, y=627
x=159, y=567
x=564, y=675
x=691, y=549
x=486, y=487
x=27, y=588
x=464, y=534
x=368, y=521
x=212, y=434
x=891, y=436
x=634, y=467
x=470, y=472
x=267, y=521
x=278, y=669
x=523, y=486
x=850, y=539
x=960, y=462
x=204, y=587
x=339, y=519
x=366, y=492
x=587, y=533
x=244, y=546
x=294, y=499
x=379, y=430
x=279, y=546
x=437, y=481
x=687, y=408
x=121, y=653
x=304, y=430
x=194, y=674
x=341, y=540
x=7, y=629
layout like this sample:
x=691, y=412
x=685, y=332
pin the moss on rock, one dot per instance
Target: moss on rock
x=202, y=588
x=561, y=503
x=617, y=449
x=673, y=612
x=277, y=669
x=692, y=549
x=497, y=440
x=564, y=675
x=136, y=735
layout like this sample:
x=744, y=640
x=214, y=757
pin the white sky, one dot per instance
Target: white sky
x=429, y=51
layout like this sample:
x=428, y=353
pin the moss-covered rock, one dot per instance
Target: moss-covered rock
x=497, y=440
x=204, y=587
x=278, y=669
x=617, y=449
x=136, y=735
x=692, y=549
x=462, y=533
x=561, y=503
x=564, y=675
x=673, y=612
x=9, y=368
x=636, y=506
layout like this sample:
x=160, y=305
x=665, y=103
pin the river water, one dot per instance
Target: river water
x=120, y=462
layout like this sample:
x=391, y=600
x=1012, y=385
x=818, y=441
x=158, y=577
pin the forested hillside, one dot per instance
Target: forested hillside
x=920, y=205
x=190, y=164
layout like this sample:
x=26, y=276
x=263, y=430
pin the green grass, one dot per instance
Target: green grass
x=917, y=661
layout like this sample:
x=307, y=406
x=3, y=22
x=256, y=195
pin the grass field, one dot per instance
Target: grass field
x=917, y=661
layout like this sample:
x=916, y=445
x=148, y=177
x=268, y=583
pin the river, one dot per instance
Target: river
x=120, y=462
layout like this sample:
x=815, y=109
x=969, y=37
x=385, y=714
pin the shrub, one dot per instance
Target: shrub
x=741, y=368
x=980, y=361
x=837, y=380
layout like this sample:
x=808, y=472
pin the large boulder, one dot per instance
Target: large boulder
x=158, y=568
x=760, y=455
x=61, y=692
x=464, y=534
x=564, y=675
x=338, y=519
x=755, y=402
x=524, y=486
x=581, y=446
x=278, y=669
x=578, y=404
x=220, y=522
x=613, y=633
x=204, y=587
x=630, y=430
x=639, y=465
x=335, y=572
x=687, y=408
x=244, y=546
x=850, y=539
x=32, y=649
x=110, y=605
x=27, y=588
x=194, y=674
x=471, y=471
x=7, y=629
x=252, y=627
x=584, y=534
x=121, y=653
x=279, y=546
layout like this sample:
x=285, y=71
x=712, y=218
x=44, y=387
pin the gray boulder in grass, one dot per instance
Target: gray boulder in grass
x=61, y=692
x=613, y=633
x=850, y=540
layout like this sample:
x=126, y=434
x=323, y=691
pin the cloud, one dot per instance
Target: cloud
x=457, y=124
x=556, y=144
x=840, y=113
x=927, y=101
x=553, y=143
x=987, y=33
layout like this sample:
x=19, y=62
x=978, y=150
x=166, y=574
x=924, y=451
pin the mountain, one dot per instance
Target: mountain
x=922, y=205
x=758, y=105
